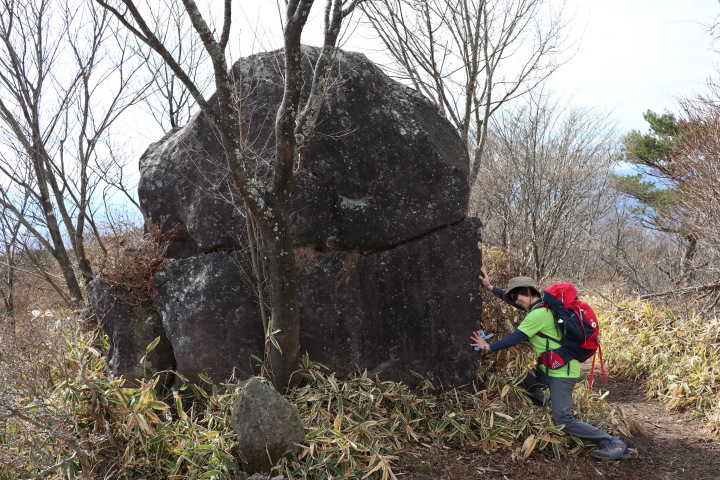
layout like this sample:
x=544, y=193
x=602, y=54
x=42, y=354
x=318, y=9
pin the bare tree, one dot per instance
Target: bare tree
x=62, y=87
x=9, y=235
x=544, y=184
x=268, y=203
x=630, y=256
x=471, y=56
x=694, y=163
x=170, y=102
x=713, y=29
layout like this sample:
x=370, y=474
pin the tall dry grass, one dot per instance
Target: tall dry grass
x=677, y=354
x=62, y=417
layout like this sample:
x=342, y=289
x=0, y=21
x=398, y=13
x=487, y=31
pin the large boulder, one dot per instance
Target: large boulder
x=388, y=261
x=406, y=309
x=384, y=166
x=403, y=310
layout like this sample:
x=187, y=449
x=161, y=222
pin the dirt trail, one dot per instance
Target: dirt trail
x=673, y=446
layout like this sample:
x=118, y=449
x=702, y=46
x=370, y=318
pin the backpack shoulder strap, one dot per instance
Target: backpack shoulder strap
x=542, y=335
x=538, y=305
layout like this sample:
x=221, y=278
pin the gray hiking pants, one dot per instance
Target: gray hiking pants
x=561, y=401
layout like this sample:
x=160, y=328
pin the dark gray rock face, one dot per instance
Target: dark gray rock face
x=383, y=166
x=130, y=332
x=210, y=316
x=388, y=261
x=406, y=309
x=267, y=425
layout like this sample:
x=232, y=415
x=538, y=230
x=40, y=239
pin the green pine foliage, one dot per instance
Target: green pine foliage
x=651, y=149
x=649, y=153
x=648, y=194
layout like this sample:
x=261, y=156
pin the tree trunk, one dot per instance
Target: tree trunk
x=59, y=251
x=9, y=295
x=687, y=275
x=284, y=302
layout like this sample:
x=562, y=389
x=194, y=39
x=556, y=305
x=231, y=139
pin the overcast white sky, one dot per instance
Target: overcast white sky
x=637, y=55
x=632, y=55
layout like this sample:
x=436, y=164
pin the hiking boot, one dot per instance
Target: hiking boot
x=614, y=449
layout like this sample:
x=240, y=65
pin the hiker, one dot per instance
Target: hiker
x=522, y=293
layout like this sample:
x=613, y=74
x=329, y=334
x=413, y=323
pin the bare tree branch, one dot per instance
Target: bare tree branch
x=545, y=182
x=268, y=204
x=62, y=87
x=683, y=291
x=471, y=56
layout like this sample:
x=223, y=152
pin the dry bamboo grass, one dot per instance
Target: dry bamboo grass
x=88, y=425
x=677, y=356
x=358, y=427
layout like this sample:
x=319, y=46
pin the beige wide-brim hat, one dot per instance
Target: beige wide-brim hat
x=519, y=282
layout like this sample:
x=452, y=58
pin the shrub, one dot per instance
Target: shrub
x=130, y=277
x=62, y=417
x=360, y=425
x=499, y=317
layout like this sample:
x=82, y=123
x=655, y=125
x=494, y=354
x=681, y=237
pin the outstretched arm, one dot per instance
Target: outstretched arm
x=506, y=342
x=497, y=291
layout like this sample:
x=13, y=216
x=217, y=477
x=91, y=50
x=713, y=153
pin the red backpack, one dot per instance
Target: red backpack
x=577, y=323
